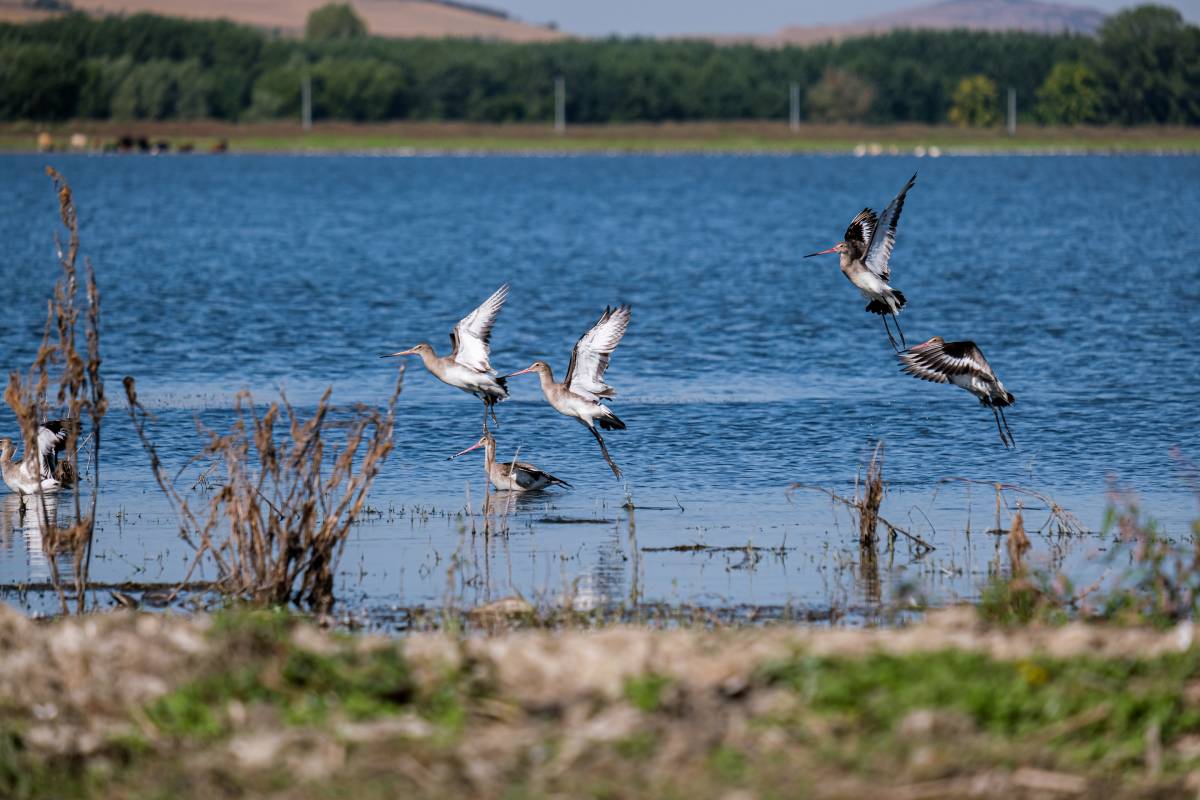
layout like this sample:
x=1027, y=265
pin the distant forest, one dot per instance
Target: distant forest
x=1143, y=67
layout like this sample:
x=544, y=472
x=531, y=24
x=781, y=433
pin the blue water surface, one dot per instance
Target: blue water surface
x=746, y=368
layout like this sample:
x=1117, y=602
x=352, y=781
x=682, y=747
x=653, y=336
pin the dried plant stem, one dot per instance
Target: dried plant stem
x=80, y=395
x=866, y=504
x=1067, y=522
x=288, y=519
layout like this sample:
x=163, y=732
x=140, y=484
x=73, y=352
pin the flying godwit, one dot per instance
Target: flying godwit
x=864, y=255
x=467, y=367
x=36, y=471
x=513, y=476
x=583, y=388
x=963, y=364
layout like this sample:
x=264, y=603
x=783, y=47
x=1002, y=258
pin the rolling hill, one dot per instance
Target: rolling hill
x=989, y=15
x=397, y=18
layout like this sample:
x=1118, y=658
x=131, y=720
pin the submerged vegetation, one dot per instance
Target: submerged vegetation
x=1139, y=70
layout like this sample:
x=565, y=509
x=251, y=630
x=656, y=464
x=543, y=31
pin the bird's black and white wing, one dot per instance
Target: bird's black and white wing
x=589, y=360
x=52, y=438
x=859, y=234
x=473, y=333
x=528, y=475
x=940, y=361
x=884, y=238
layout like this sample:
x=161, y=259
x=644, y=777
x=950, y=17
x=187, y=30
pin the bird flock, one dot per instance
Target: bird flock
x=865, y=253
x=582, y=394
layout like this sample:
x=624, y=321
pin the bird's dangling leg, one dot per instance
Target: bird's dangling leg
x=492, y=407
x=996, y=414
x=604, y=450
x=886, y=327
x=485, y=416
x=1011, y=440
x=896, y=322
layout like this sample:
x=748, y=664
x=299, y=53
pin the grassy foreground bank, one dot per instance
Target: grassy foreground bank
x=244, y=704
x=278, y=137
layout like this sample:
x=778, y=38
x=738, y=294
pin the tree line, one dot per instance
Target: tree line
x=1142, y=67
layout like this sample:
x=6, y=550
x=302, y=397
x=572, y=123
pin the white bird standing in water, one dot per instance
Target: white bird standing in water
x=467, y=367
x=864, y=255
x=35, y=472
x=513, y=476
x=962, y=364
x=583, y=388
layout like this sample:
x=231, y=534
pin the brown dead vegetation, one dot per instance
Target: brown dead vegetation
x=276, y=526
x=80, y=396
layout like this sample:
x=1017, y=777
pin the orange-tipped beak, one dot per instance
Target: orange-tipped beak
x=519, y=372
x=469, y=449
x=823, y=252
x=409, y=352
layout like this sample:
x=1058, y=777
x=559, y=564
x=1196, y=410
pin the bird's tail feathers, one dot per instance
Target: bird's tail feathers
x=893, y=302
x=610, y=422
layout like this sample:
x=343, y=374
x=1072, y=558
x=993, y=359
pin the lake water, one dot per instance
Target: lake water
x=746, y=368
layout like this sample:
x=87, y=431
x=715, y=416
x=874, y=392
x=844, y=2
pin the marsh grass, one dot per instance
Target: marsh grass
x=80, y=396
x=284, y=495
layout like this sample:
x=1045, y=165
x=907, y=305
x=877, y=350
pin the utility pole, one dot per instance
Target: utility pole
x=306, y=102
x=560, y=104
x=795, y=107
x=1012, y=111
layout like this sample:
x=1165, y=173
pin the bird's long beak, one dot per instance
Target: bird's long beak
x=823, y=252
x=464, y=452
x=409, y=352
x=519, y=372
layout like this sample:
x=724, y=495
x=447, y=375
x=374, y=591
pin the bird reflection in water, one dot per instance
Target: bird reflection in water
x=31, y=516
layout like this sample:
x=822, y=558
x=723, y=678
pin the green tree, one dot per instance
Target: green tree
x=39, y=81
x=976, y=102
x=1071, y=95
x=840, y=96
x=1149, y=61
x=334, y=21
x=162, y=89
x=276, y=93
x=363, y=90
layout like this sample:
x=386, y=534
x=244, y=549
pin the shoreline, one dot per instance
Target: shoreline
x=256, y=703
x=443, y=139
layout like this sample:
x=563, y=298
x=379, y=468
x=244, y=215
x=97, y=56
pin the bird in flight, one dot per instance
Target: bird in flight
x=865, y=253
x=581, y=392
x=467, y=366
x=962, y=364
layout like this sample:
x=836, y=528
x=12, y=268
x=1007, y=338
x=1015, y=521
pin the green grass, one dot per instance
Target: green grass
x=1085, y=711
x=645, y=692
x=735, y=137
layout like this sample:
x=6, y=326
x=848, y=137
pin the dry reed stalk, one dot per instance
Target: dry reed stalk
x=1066, y=521
x=872, y=497
x=288, y=507
x=1018, y=544
x=868, y=496
x=80, y=394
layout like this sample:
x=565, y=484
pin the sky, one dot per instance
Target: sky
x=667, y=17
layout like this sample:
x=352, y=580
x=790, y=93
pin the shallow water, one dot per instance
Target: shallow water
x=746, y=368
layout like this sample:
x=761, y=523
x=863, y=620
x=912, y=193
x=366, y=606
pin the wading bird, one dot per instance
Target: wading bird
x=36, y=471
x=467, y=367
x=864, y=259
x=963, y=364
x=583, y=388
x=513, y=476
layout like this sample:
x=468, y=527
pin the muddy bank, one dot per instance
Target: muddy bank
x=250, y=704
